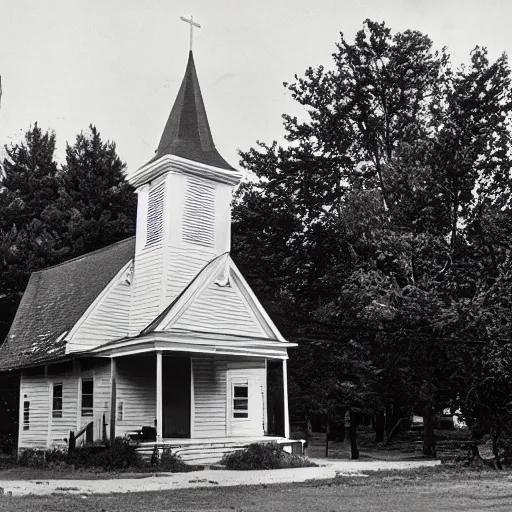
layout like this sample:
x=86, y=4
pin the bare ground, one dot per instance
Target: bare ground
x=424, y=490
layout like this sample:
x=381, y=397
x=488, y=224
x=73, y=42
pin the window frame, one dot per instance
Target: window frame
x=238, y=413
x=26, y=414
x=57, y=412
x=120, y=411
x=86, y=411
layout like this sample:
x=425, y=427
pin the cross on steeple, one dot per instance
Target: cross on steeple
x=192, y=25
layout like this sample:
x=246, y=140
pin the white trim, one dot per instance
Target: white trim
x=192, y=404
x=285, y=401
x=49, y=390
x=191, y=349
x=21, y=410
x=175, y=341
x=166, y=163
x=78, y=373
x=245, y=287
x=159, y=415
x=96, y=303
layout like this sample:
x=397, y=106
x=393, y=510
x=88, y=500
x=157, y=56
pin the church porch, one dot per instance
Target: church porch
x=193, y=399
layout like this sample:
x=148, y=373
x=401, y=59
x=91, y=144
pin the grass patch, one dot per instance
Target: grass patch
x=264, y=456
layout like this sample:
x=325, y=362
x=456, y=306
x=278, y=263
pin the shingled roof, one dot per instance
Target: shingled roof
x=55, y=299
x=187, y=132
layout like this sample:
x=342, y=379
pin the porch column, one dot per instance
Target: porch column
x=159, y=396
x=285, y=401
x=113, y=398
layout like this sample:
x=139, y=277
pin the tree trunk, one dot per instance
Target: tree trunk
x=495, y=449
x=380, y=424
x=455, y=219
x=327, y=433
x=354, y=452
x=309, y=431
x=309, y=427
x=429, y=440
x=389, y=418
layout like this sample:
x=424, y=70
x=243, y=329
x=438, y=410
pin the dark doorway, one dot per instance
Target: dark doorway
x=275, y=398
x=176, y=396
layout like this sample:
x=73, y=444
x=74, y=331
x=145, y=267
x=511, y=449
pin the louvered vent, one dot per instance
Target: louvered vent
x=199, y=214
x=155, y=221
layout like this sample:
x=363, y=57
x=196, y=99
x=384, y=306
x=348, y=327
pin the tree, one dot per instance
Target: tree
x=29, y=184
x=98, y=204
x=362, y=223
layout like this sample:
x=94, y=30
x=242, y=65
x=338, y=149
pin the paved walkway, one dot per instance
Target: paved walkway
x=209, y=478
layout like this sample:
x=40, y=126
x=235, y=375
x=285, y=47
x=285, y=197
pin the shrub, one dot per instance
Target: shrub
x=264, y=456
x=170, y=461
x=32, y=458
x=119, y=455
x=7, y=443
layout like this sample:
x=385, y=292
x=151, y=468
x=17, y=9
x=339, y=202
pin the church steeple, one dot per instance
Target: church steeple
x=187, y=131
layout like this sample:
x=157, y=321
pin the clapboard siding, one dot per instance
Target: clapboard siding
x=60, y=427
x=136, y=389
x=183, y=266
x=48, y=432
x=108, y=320
x=35, y=391
x=209, y=375
x=221, y=309
x=147, y=286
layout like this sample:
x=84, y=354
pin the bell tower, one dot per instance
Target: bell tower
x=184, y=206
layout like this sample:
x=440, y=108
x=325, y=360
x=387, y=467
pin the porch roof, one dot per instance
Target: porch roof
x=178, y=340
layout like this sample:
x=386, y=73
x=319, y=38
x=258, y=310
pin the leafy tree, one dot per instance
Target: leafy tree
x=365, y=222
x=29, y=184
x=98, y=205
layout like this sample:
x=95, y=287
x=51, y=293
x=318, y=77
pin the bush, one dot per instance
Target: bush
x=119, y=455
x=264, y=456
x=7, y=443
x=41, y=458
x=170, y=461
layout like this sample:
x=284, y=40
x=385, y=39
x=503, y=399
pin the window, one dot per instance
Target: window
x=57, y=401
x=199, y=212
x=241, y=400
x=119, y=411
x=26, y=415
x=87, y=397
x=155, y=219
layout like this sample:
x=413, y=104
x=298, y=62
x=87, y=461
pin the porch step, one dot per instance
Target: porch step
x=200, y=453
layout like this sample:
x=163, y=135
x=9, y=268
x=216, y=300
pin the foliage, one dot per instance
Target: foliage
x=42, y=458
x=381, y=230
x=264, y=456
x=29, y=186
x=99, y=205
x=171, y=462
x=50, y=213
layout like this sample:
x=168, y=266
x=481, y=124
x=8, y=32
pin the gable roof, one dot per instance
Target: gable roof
x=218, y=301
x=187, y=132
x=55, y=299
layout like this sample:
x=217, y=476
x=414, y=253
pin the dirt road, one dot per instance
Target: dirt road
x=380, y=493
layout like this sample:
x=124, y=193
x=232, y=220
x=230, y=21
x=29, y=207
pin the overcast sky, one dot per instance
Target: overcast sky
x=118, y=64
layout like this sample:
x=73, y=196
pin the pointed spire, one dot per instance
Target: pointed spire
x=187, y=132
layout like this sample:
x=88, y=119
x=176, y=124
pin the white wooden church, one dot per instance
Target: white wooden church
x=159, y=331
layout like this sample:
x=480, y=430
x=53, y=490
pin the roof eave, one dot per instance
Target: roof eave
x=173, y=163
